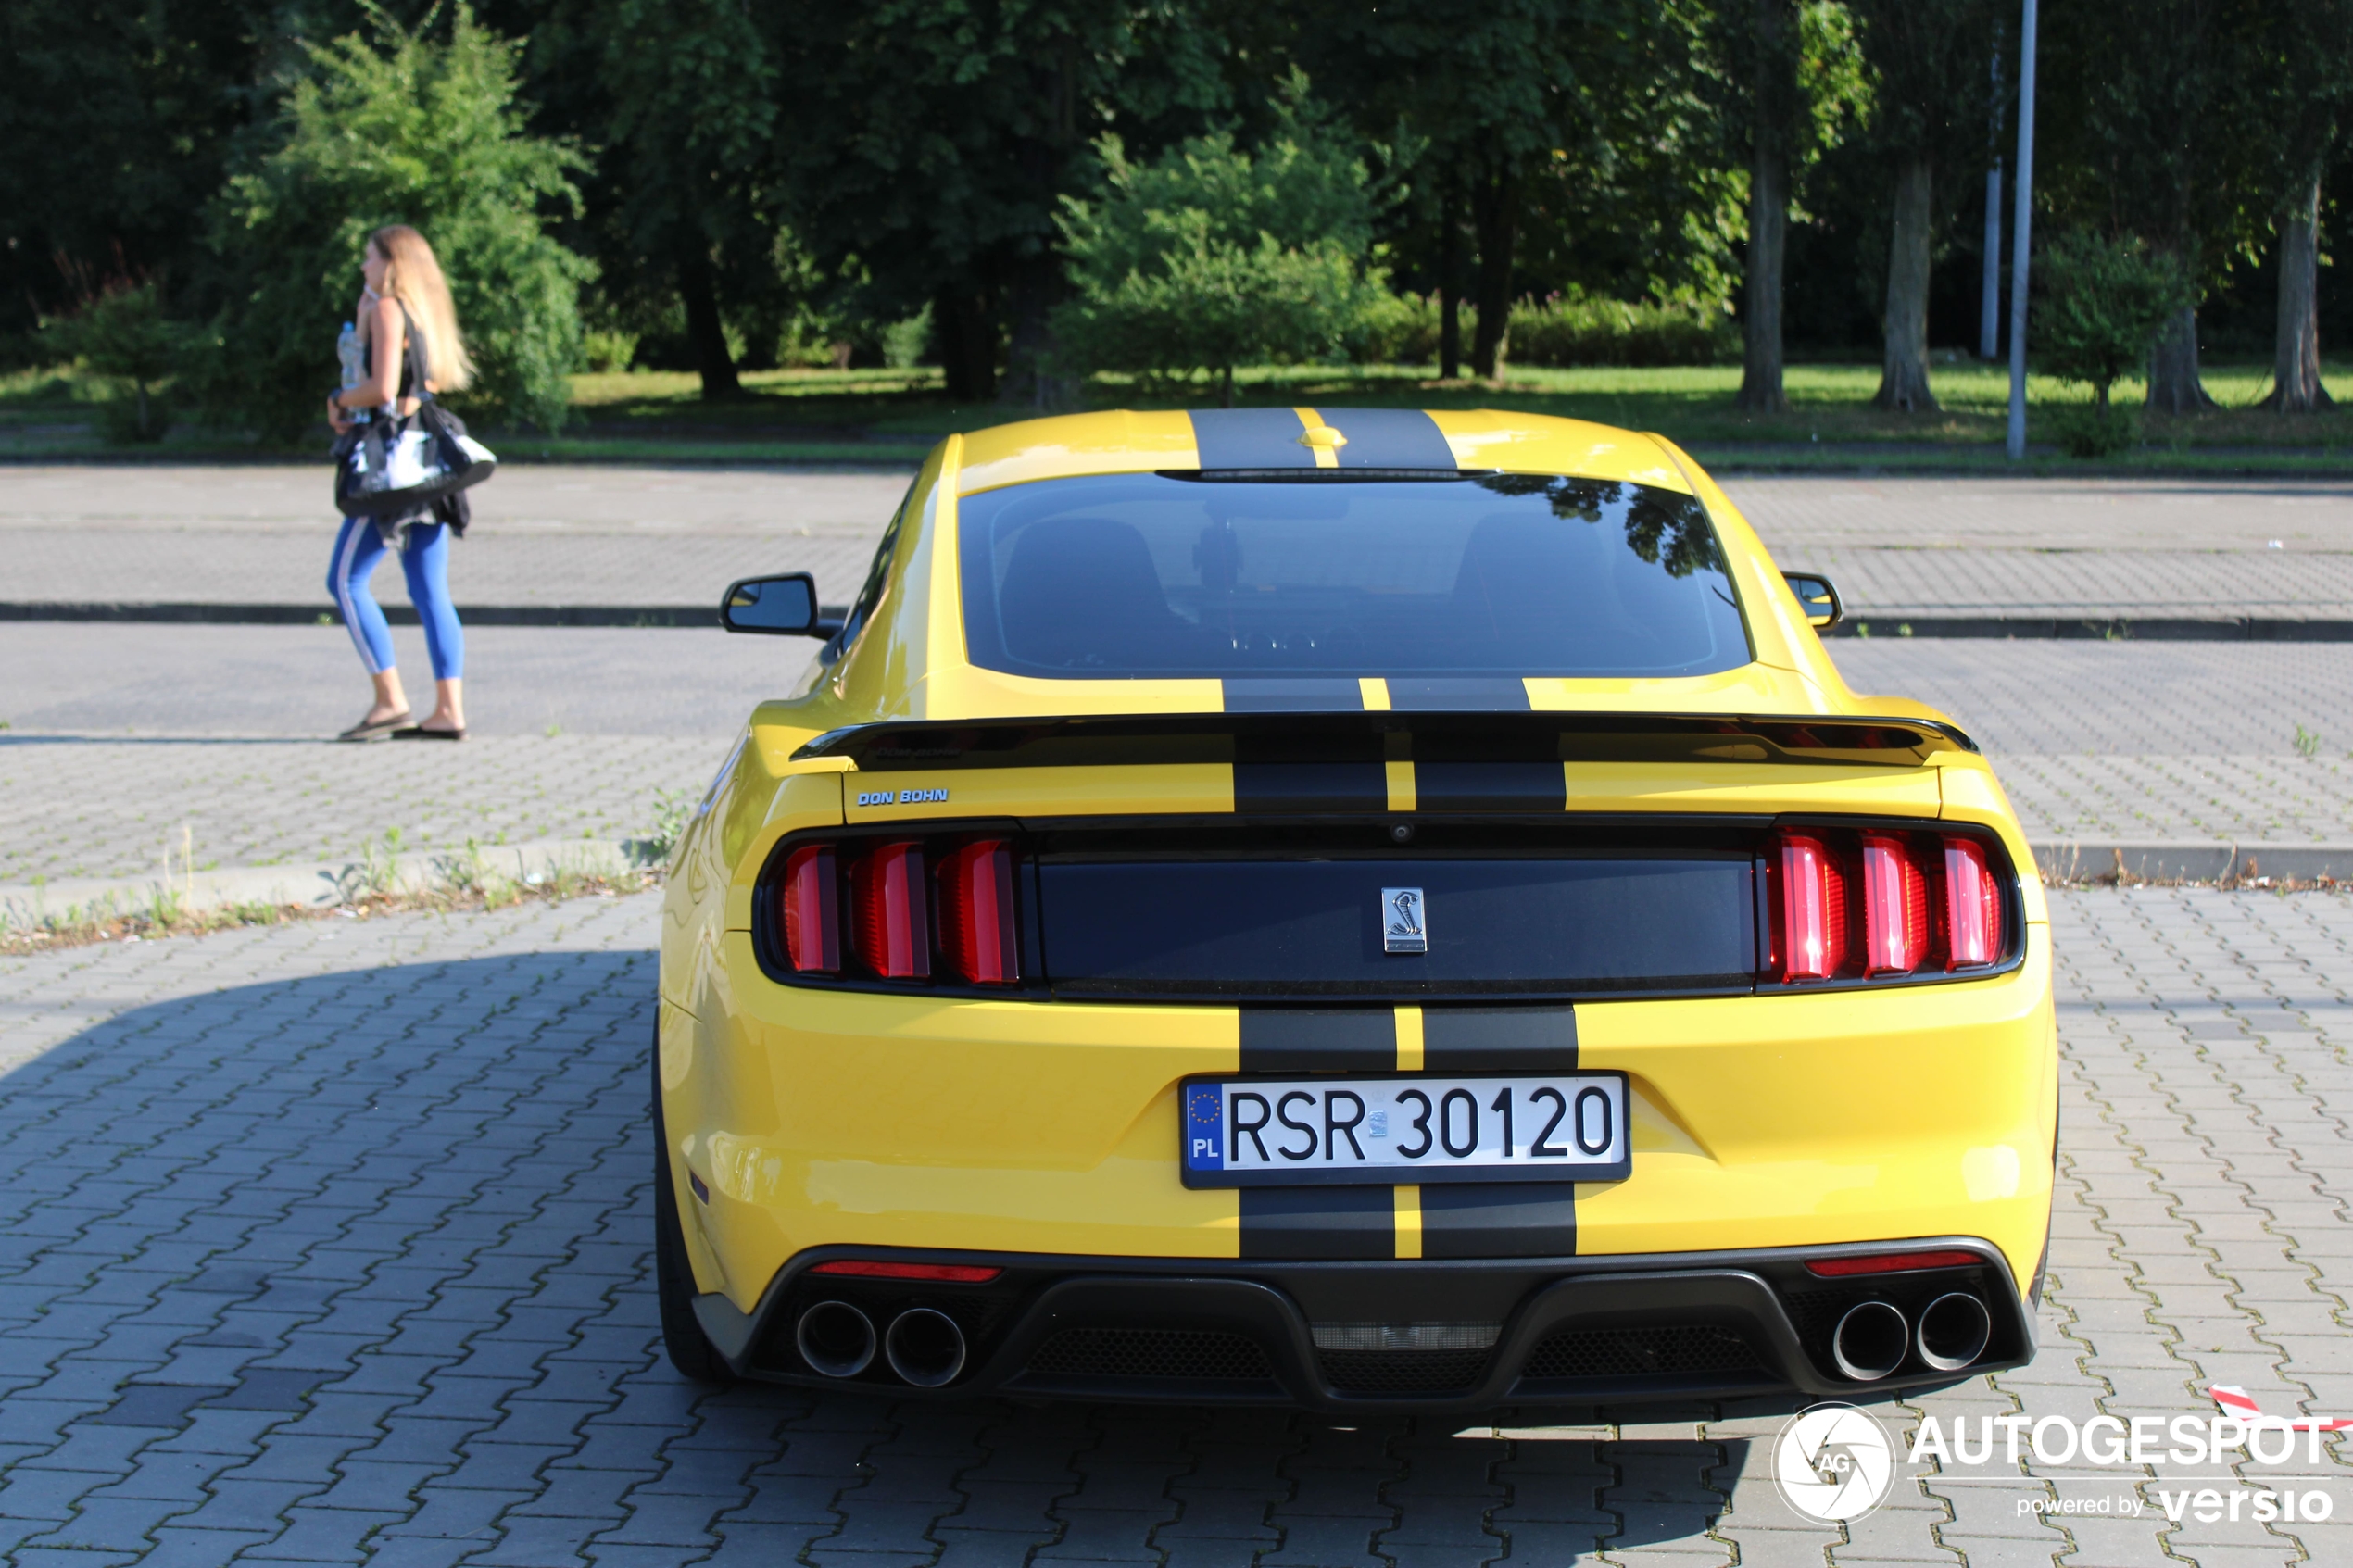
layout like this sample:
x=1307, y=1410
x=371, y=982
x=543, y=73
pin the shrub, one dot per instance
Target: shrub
x=1572, y=329
x=121, y=335
x=1211, y=255
x=397, y=129
x=1576, y=330
x=2091, y=430
x=2104, y=302
x=606, y=352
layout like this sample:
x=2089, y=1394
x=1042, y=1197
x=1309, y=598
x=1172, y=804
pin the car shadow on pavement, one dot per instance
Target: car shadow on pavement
x=364, y=1260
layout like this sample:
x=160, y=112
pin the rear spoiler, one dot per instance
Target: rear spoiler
x=1167, y=738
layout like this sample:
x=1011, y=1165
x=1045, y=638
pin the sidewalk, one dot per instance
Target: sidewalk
x=640, y=539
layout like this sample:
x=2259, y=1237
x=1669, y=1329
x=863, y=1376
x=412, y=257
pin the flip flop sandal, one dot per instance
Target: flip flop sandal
x=377, y=729
x=418, y=732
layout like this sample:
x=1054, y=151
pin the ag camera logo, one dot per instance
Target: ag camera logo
x=1834, y=1463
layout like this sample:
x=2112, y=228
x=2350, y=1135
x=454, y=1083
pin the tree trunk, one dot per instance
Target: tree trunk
x=1450, y=288
x=1902, y=382
x=1495, y=215
x=1761, y=390
x=967, y=332
x=1029, y=378
x=2295, y=353
x=2174, y=387
x=706, y=335
x=1225, y=392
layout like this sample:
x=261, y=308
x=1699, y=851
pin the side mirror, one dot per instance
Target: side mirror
x=1819, y=597
x=776, y=607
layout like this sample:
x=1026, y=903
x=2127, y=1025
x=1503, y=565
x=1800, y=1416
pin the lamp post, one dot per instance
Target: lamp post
x=2021, y=225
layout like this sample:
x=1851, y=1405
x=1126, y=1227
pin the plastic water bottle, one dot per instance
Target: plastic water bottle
x=354, y=355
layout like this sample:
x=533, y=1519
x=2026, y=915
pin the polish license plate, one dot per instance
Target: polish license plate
x=1406, y=1129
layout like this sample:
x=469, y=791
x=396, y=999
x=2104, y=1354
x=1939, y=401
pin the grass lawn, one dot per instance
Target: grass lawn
x=891, y=416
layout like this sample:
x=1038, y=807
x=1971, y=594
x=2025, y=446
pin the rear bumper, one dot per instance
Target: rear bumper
x=1566, y=1331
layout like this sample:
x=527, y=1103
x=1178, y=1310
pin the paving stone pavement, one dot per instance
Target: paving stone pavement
x=121, y=738
x=329, y=1244
x=559, y=535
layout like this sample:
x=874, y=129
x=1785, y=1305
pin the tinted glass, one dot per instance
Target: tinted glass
x=1149, y=575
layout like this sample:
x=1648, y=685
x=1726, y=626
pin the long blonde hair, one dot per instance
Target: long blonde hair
x=413, y=277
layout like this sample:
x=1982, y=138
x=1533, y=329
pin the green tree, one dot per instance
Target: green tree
x=2152, y=121
x=1929, y=58
x=396, y=126
x=926, y=145
x=2305, y=84
x=1785, y=76
x=2104, y=303
x=116, y=117
x=1210, y=256
x=1507, y=100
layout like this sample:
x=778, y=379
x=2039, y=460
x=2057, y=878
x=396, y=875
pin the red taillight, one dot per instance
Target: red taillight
x=1895, y=906
x=887, y=912
x=1972, y=906
x=1813, y=889
x=874, y=1268
x=813, y=925
x=977, y=913
x=1892, y=1263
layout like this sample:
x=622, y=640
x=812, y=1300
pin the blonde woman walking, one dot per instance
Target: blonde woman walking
x=406, y=296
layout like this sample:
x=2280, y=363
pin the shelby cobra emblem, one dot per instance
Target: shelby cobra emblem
x=1402, y=925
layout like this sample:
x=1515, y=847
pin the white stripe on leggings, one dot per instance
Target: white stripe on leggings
x=342, y=594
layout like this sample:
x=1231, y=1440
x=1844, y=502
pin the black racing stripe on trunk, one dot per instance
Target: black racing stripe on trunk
x=1342, y=695
x=1311, y=786
x=1490, y=786
x=1389, y=438
x=1328, y=1221
x=1498, y=1220
x=1498, y=1039
x=1251, y=438
x=1319, y=1040
x=1457, y=695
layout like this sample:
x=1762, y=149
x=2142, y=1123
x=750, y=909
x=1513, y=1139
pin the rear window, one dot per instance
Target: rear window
x=1159, y=575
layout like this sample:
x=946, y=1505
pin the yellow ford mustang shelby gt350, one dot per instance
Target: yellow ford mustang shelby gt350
x=1356, y=907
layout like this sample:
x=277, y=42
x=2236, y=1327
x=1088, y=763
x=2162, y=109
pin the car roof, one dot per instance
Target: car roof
x=1122, y=441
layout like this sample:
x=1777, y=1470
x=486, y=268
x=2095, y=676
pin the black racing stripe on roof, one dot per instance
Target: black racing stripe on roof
x=1318, y=1222
x=1251, y=438
x=1294, y=694
x=1498, y=1039
x=1389, y=438
x=1461, y=695
x=1498, y=1220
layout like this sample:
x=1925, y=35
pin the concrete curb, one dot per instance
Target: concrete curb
x=2198, y=860
x=1867, y=624
x=705, y=616
x=320, y=885
x=2120, y=628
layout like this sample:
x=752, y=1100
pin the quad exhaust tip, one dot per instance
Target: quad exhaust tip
x=835, y=1338
x=1870, y=1341
x=925, y=1348
x=1953, y=1332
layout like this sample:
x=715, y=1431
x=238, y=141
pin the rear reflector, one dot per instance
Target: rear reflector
x=977, y=913
x=942, y=1273
x=1895, y=906
x=888, y=913
x=1813, y=910
x=1892, y=1263
x=811, y=922
x=1972, y=906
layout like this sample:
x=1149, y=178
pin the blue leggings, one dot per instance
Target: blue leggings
x=424, y=561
